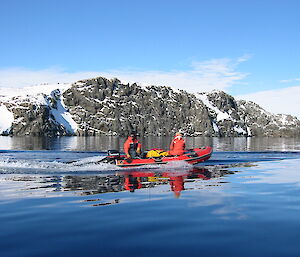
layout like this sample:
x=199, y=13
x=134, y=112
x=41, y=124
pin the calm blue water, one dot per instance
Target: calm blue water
x=55, y=200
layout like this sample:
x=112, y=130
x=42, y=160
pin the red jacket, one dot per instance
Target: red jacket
x=177, y=146
x=130, y=142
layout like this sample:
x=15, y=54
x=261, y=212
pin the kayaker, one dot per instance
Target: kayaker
x=132, y=147
x=177, y=146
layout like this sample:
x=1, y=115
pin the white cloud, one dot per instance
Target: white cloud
x=288, y=80
x=201, y=76
x=21, y=77
x=244, y=58
x=285, y=100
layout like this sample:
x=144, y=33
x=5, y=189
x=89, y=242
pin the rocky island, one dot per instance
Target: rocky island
x=100, y=106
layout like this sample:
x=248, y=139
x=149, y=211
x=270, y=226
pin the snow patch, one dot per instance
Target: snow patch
x=240, y=130
x=64, y=118
x=215, y=127
x=220, y=115
x=60, y=113
x=249, y=131
x=6, y=120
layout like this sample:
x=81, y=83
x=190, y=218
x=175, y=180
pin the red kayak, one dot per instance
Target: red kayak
x=192, y=156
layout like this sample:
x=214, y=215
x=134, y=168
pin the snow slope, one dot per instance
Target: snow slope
x=6, y=119
x=45, y=95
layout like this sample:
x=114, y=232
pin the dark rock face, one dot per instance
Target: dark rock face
x=224, y=114
x=107, y=107
x=263, y=123
x=36, y=122
x=101, y=106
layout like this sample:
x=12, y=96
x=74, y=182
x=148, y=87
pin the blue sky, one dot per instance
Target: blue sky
x=139, y=40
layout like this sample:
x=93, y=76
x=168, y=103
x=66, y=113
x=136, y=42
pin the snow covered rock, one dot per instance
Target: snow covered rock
x=259, y=122
x=33, y=112
x=108, y=107
x=6, y=120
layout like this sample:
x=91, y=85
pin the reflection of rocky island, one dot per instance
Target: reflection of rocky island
x=94, y=184
x=175, y=181
x=135, y=180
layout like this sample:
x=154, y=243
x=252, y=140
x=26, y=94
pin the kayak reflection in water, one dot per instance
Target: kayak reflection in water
x=133, y=180
x=132, y=147
x=131, y=183
x=177, y=185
